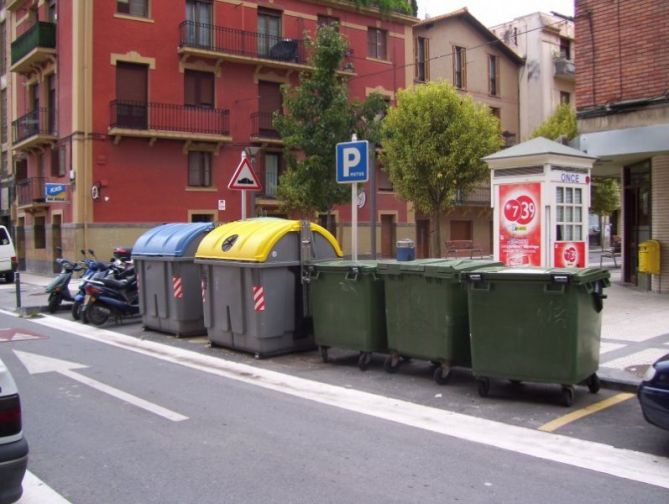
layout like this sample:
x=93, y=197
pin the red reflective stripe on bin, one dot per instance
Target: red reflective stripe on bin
x=259, y=298
x=203, y=283
x=177, y=287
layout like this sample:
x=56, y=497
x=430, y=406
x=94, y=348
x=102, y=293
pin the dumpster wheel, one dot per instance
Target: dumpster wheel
x=392, y=363
x=568, y=393
x=364, y=360
x=593, y=383
x=324, y=353
x=442, y=374
x=483, y=386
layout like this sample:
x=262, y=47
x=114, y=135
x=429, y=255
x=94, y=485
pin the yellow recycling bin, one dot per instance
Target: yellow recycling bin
x=649, y=257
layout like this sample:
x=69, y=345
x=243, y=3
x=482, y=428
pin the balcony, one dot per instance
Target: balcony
x=35, y=129
x=30, y=192
x=478, y=196
x=228, y=44
x=32, y=49
x=564, y=69
x=262, y=129
x=168, y=121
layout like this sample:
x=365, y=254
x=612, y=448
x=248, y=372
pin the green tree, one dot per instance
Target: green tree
x=317, y=115
x=605, y=199
x=432, y=148
x=385, y=5
x=562, y=122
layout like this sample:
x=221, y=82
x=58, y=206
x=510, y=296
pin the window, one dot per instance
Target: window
x=51, y=103
x=272, y=173
x=493, y=76
x=39, y=232
x=199, y=169
x=459, y=67
x=269, y=30
x=330, y=225
x=422, y=57
x=565, y=98
x=131, y=95
x=565, y=48
x=270, y=100
x=569, y=218
x=497, y=112
x=198, y=89
x=202, y=217
x=376, y=43
x=383, y=182
x=198, y=21
x=328, y=21
x=139, y=8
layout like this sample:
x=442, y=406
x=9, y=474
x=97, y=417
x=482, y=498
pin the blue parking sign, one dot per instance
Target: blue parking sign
x=352, y=162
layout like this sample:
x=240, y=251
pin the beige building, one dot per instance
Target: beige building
x=547, y=78
x=457, y=48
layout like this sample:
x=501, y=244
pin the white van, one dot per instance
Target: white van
x=7, y=255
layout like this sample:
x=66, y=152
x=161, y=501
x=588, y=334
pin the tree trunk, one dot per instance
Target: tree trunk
x=435, y=246
x=604, y=232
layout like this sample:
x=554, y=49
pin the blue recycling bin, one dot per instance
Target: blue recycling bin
x=405, y=250
x=170, y=292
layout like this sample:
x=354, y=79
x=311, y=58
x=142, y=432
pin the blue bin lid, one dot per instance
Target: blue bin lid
x=170, y=239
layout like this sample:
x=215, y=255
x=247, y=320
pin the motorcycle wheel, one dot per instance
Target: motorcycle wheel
x=54, y=303
x=96, y=315
x=76, y=310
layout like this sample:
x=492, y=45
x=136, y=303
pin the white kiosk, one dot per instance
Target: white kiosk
x=540, y=193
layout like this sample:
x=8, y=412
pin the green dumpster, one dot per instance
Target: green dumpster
x=426, y=312
x=536, y=325
x=346, y=300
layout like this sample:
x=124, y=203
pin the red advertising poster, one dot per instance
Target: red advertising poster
x=569, y=254
x=520, y=224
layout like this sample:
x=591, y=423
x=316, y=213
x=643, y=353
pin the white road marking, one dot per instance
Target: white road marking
x=636, y=359
x=35, y=491
x=37, y=364
x=606, y=459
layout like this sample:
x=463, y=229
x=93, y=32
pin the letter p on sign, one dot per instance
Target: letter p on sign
x=351, y=160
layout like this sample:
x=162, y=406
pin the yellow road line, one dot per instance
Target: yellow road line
x=589, y=410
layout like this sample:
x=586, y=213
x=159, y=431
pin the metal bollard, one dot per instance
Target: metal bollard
x=17, y=282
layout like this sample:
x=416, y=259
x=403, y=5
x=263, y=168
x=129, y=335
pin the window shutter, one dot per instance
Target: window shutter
x=415, y=58
x=426, y=45
x=131, y=82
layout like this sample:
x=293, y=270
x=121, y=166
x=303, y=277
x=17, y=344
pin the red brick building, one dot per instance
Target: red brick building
x=125, y=114
x=622, y=102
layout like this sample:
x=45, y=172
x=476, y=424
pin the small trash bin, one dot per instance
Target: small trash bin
x=252, y=287
x=405, y=250
x=426, y=312
x=346, y=300
x=536, y=325
x=170, y=298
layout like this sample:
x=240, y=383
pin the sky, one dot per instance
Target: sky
x=494, y=12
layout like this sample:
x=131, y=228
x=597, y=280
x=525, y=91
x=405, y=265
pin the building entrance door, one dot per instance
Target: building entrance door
x=638, y=216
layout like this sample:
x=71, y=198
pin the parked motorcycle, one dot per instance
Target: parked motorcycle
x=93, y=268
x=58, y=289
x=113, y=294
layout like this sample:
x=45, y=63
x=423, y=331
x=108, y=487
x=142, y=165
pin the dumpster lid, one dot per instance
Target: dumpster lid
x=457, y=266
x=253, y=239
x=170, y=239
x=529, y=273
x=367, y=266
x=393, y=266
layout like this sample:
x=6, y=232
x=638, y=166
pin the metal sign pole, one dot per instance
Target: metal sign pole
x=354, y=221
x=243, y=205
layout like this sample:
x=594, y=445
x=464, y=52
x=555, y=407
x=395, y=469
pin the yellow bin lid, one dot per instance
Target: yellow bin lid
x=253, y=239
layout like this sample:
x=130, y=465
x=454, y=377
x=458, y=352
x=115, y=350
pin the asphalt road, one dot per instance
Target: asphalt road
x=241, y=434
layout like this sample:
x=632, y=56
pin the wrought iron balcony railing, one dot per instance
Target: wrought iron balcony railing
x=169, y=117
x=241, y=43
x=41, y=34
x=30, y=190
x=262, y=125
x=478, y=196
x=41, y=121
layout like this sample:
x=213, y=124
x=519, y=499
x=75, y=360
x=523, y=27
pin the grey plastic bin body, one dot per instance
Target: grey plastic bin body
x=256, y=305
x=170, y=296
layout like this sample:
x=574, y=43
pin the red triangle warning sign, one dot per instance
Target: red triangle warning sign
x=244, y=178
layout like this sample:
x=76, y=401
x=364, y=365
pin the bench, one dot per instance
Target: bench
x=462, y=248
x=610, y=253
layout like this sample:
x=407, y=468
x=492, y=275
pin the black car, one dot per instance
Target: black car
x=653, y=393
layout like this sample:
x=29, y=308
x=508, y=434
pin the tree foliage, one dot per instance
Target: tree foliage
x=385, y=5
x=605, y=197
x=432, y=148
x=562, y=122
x=317, y=115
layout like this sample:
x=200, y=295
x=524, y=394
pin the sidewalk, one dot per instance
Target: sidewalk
x=635, y=325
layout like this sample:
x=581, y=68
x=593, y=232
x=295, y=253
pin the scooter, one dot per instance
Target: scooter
x=93, y=268
x=58, y=289
x=109, y=296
